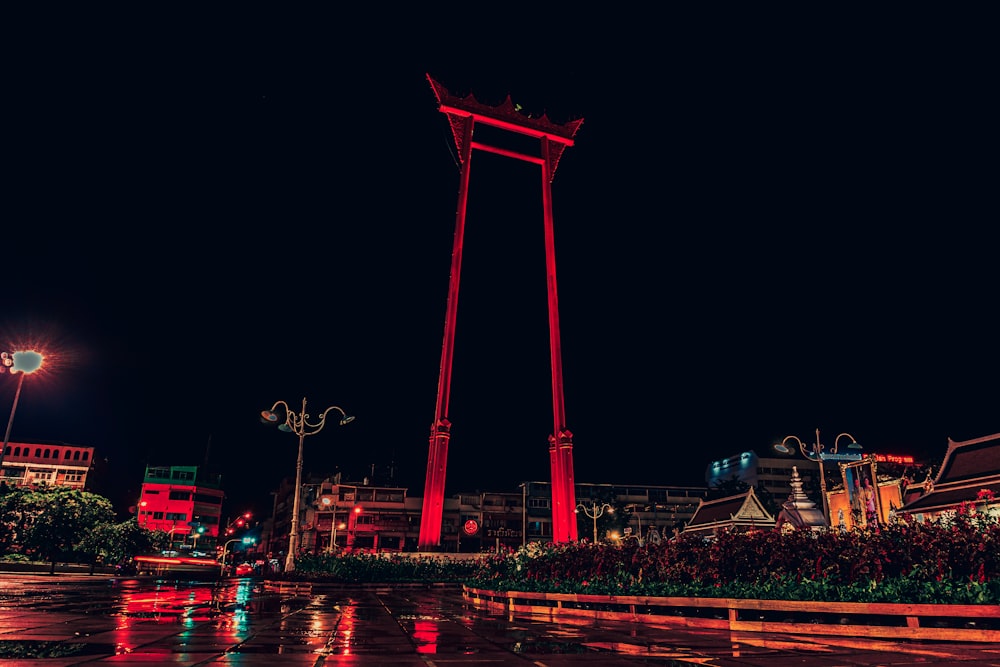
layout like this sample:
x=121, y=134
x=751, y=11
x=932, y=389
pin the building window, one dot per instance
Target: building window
x=176, y=516
x=67, y=455
x=86, y=455
x=157, y=516
x=180, y=495
x=76, y=456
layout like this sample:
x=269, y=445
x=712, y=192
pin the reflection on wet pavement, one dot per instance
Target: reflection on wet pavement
x=101, y=621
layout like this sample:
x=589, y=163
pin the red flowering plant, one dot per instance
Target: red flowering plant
x=956, y=559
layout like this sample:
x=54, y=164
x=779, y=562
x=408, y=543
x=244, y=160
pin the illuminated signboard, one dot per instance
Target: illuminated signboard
x=893, y=458
x=848, y=456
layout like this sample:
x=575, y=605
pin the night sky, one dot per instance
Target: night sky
x=764, y=228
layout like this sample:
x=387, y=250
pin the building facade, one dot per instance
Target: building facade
x=770, y=473
x=46, y=463
x=183, y=501
x=369, y=517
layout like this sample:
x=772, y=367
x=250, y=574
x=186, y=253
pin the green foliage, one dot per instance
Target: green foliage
x=381, y=568
x=953, y=561
x=59, y=519
x=53, y=524
x=116, y=543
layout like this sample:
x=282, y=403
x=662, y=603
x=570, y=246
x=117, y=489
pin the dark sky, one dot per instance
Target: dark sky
x=767, y=225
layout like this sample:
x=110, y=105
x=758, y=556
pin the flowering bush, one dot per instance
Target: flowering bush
x=953, y=560
x=949, y=561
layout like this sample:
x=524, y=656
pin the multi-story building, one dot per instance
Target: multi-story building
x=39, y=463
x=662, y=509
x=370, y=517
x=768, y=473
x=185, y=502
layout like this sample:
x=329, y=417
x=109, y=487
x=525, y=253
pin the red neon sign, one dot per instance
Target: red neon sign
x=893, y=458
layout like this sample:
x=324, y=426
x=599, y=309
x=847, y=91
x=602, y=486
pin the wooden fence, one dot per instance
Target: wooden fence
x=940, y=622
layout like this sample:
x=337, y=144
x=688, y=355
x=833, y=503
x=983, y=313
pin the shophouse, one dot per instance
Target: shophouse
x=183, y=501
x=369, y=517
x=46, y=463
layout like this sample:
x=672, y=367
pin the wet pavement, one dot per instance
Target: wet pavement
x=101, y=620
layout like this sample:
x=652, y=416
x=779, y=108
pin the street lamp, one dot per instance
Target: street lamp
x=25, y=363
x=331, y=502
x=817, y=454
x=524, y=514
x=595, y=512
x=634, y=508
x=300, y=425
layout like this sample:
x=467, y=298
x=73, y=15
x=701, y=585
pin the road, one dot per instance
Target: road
x=101, y=620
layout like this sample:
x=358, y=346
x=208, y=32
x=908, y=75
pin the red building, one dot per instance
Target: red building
x=184, y=502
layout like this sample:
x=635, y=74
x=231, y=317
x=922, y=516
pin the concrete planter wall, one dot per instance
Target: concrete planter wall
x=942, y=622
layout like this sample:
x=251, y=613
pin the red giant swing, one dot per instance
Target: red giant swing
x=463, y=115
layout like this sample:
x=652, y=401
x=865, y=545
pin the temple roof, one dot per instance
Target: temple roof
x=743, y=510
x=968, y=467
x=970, y=459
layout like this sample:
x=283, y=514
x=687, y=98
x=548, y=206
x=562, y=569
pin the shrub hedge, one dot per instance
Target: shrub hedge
x=955, y=560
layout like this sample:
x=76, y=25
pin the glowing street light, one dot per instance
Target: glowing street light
x=595, y=512
x=25, y=363
x=817, y=454
x=299, y=424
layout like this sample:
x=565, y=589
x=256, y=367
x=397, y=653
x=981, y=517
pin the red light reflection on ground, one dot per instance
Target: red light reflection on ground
x=425, y=634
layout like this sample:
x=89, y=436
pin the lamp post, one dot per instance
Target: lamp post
x=334, y=527
x=524, y=514
x=595, y=512
x=299, y=424
x=25, y=363
x=634, y=508
x=816, y=453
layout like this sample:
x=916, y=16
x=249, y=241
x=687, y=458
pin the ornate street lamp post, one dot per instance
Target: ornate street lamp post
x=24, y=363
x=595, y=512
x=299, y=424
x=817, y=453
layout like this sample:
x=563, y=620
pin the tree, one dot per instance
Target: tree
x=117, y=543
x=58, y=520
x=13, y=519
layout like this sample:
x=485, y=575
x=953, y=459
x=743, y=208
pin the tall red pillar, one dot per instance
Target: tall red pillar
x=463, y=114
